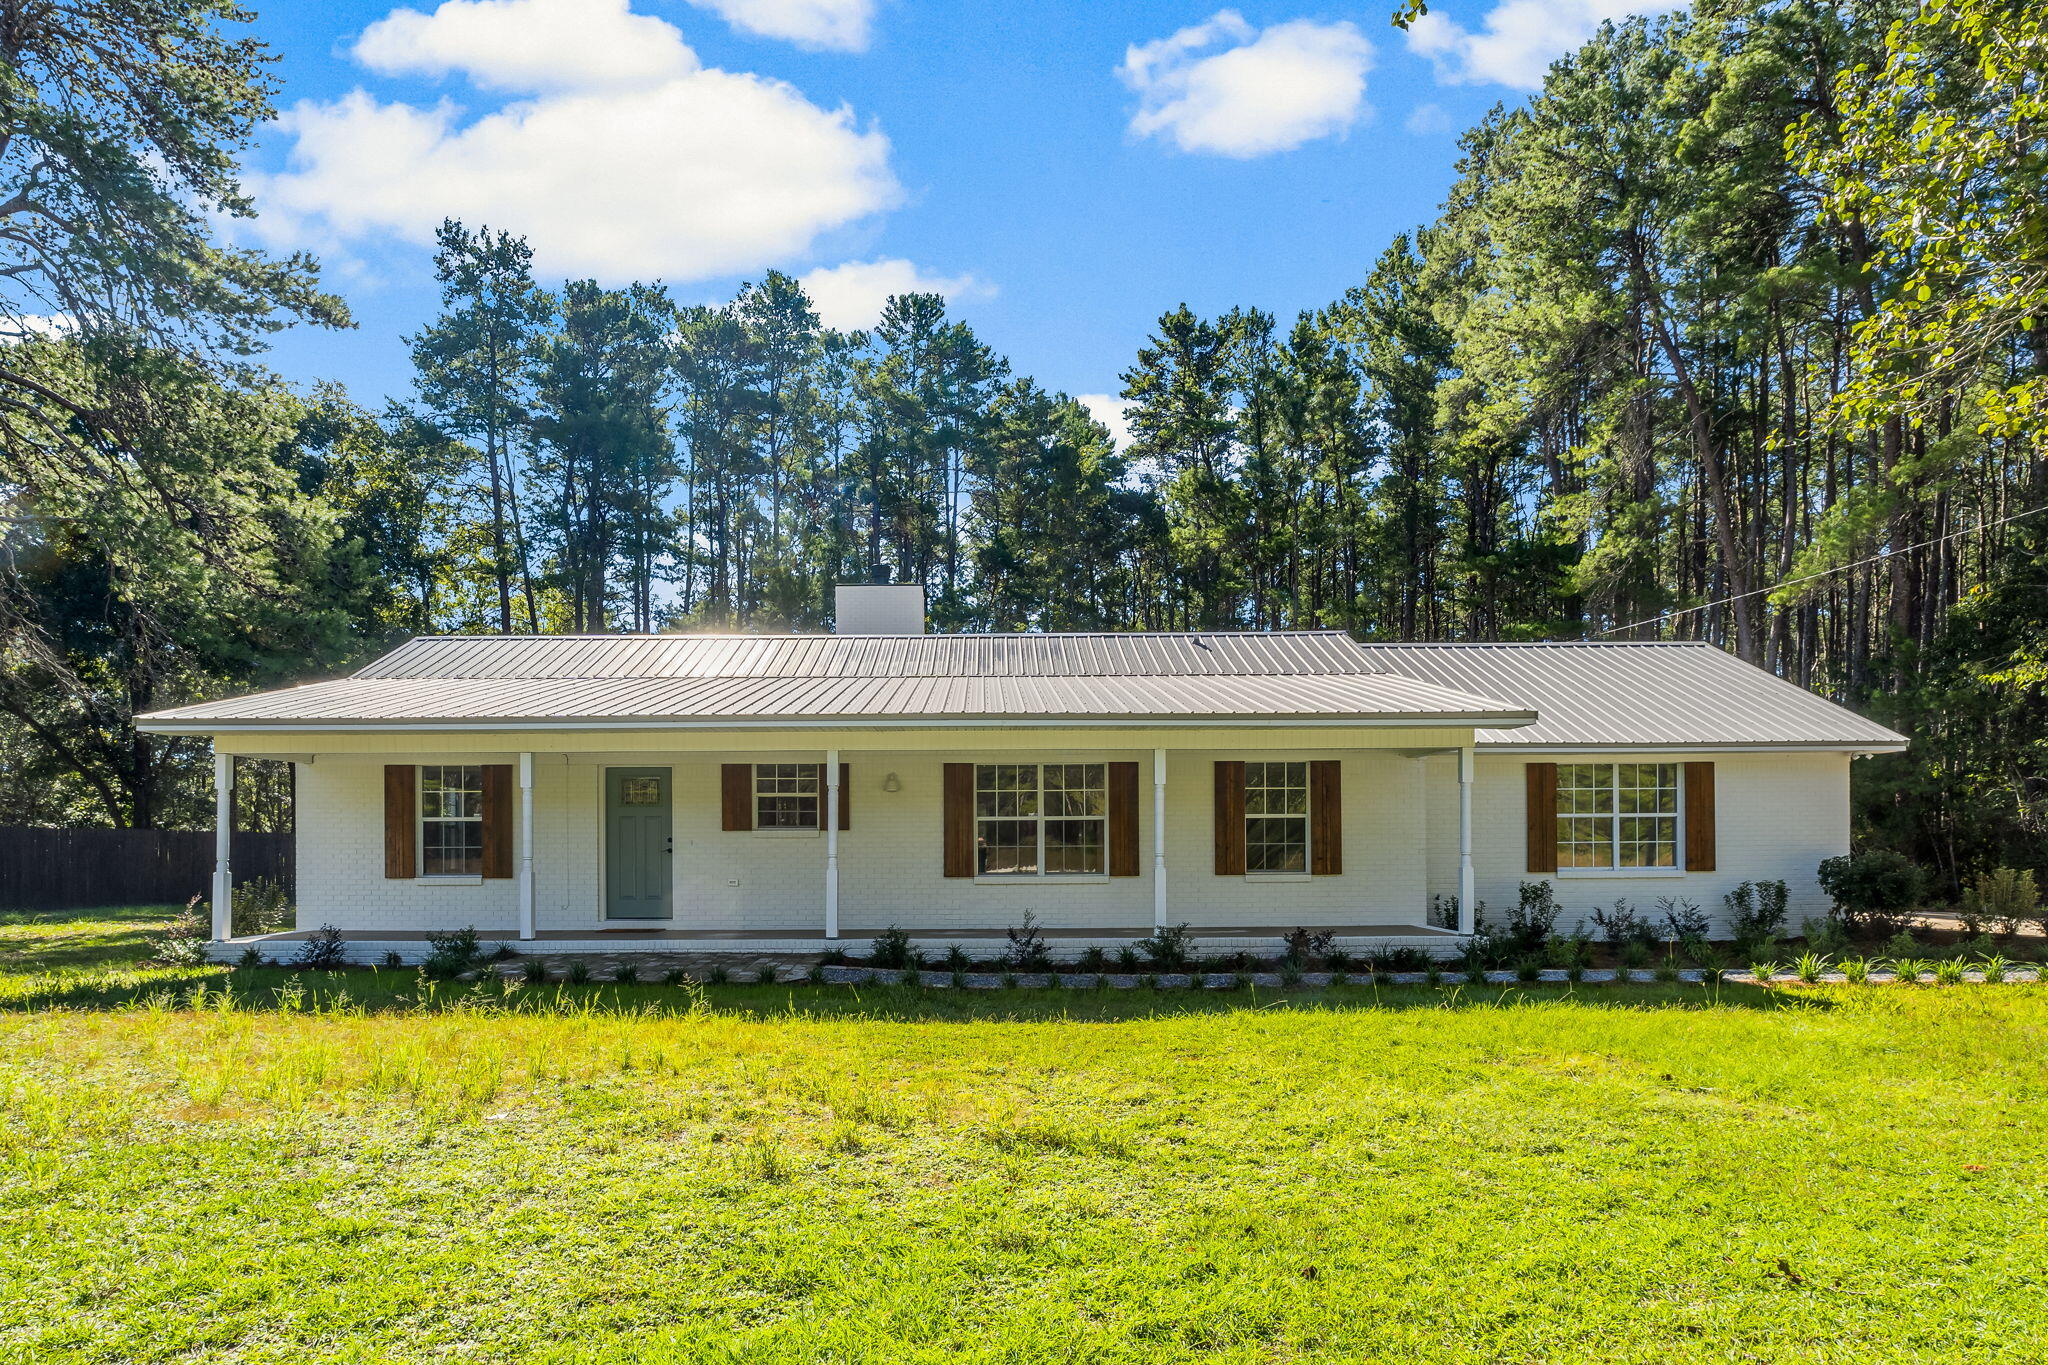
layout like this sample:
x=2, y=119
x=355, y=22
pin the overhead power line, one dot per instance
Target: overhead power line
x=1839, y=568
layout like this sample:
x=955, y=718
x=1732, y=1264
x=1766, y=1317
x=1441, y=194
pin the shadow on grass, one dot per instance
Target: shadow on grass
x=373, y=990
x=55, y=940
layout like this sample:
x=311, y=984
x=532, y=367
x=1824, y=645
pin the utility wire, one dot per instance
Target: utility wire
x=1839, y=568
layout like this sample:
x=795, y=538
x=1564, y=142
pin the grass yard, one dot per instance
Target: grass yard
x=204, y=1165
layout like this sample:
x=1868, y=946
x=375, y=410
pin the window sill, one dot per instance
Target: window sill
x=1279, y=876
x=1038, y=879
x=784, y=832
x=450, y=879
x=1597, y=873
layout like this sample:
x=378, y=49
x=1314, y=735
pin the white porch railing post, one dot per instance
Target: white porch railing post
x=223, y=846
x=831, y=843
x=526, y=912
x=1158, y=839
x=1467, y=909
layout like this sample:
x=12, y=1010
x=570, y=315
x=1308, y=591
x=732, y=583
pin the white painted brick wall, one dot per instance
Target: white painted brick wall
x=1776, y=817
x=1779, y=815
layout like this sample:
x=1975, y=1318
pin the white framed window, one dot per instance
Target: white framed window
x=1041, y=819
x=451, y=806
x=1618, y=817
x=1276, y=826
x=787, y=795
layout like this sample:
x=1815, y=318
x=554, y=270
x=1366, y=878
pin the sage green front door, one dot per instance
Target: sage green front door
x=638, y=838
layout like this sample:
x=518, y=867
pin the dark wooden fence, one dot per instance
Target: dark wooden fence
x=62, y=869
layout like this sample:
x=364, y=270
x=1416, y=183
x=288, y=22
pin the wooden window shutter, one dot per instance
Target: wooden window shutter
x=959, y=819
x=1699, y=817
x=845, y=789
x=1229, y=817
x=1542, y=817
x=1326, y=817
x=498, y=819
x=1123, y=819
x=736, y=796
x=401, y=839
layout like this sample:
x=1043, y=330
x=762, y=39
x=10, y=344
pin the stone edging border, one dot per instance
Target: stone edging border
x=883, y=976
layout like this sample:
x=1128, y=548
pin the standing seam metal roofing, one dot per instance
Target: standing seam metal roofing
x=1578, y=695
x=1306, y=697
x=1635, y=693
x=1217, y=654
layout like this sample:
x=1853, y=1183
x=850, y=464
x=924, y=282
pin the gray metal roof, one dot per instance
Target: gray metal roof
x=1636, y=694
x=1095, y=655
x=1321, y=698
x=1668, y=695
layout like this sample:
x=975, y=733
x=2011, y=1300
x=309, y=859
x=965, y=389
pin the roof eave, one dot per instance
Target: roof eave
x=176, y=725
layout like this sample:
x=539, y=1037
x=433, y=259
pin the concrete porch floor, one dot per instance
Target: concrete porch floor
x=371, y=945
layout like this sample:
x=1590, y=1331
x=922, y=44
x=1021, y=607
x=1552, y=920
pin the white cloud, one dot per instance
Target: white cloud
x=1428, y=120
x=839, y=24
x=530, y=46
x=1519, y=41
x=1108, y=410
x=637, y=164
x=49, y=326
x=1228, y=88
x=852, y=295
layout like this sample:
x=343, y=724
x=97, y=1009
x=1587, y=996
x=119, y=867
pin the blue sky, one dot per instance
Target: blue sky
x=1065, y=172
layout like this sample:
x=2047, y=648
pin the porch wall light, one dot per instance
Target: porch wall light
x=892, y=783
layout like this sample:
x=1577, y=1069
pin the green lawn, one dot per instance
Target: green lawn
x=204, y=1165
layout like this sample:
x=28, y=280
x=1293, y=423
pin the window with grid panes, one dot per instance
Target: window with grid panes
x=786, y=795
x=451, y=820
x=1276, y=817
x=1041, y=819
x=1617, y=816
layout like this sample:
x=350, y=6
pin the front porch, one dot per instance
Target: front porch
x=779, y=844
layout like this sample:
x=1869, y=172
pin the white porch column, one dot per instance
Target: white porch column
x=1467, y=910
x=526, y=915
x=223, y=846
x=1158, y=839
x=831, y=843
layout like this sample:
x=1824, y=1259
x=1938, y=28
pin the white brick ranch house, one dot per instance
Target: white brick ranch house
x=799, y=792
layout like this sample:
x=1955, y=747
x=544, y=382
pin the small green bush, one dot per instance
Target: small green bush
x=260, y=905
x=1873, y=892
x=324, y=952
x=182, y=942
x=2004, y=896
x=452, y=954
x=1169, y=949
x=892, y=949
x=1756, y=915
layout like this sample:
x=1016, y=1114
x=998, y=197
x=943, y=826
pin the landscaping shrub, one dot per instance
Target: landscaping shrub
x=260, y=905
x=1824, y=935
x=1682, y=919
x=1873, y=892
x=1623, y=925
x=1093, y=960
x=1167, y=950
x=1029, y=951
x=324, y=952
x=451, y=954
x=2006, y=896
x=892, y=947
x=956, y=959
x=1569, y=950
x=182, y=943
x=1302, y=946
x=1756, y=915
x=1530, y=924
